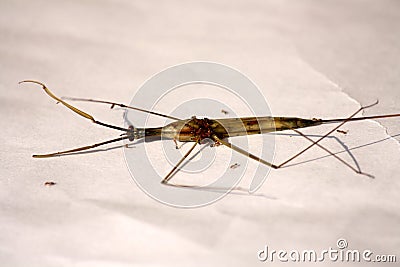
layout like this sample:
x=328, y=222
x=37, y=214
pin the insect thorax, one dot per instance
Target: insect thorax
x=201, y=128
x=193, y=129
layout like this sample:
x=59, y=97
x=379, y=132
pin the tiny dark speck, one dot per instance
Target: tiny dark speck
x=49, y=183
x=234, y=166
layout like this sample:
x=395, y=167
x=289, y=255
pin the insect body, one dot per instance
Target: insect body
x=195, y=129
x=218, y=130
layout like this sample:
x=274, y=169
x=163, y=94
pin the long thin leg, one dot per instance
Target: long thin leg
x=169, y=175
x=80, y=148
x=242, y=151
x=246, y=153
x=120, y=105
x=334, y=155
x=74, y=109
x=327, y=134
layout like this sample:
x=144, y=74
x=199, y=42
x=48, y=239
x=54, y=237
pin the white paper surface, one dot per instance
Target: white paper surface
x=310, y=59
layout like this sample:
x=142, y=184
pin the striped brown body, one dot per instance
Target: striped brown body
x=195, y=129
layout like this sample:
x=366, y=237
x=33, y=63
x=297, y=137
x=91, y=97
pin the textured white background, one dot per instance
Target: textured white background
x=309, y=58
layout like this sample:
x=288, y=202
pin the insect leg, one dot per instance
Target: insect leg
x=113, y=104
x=327, y=134
x=80, y=148
x=334, y=155
x=177, y=146
x=242, y=151
x=170, y=174
x=246, y=153
x=74, y=109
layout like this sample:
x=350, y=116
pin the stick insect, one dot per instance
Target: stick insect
x=218, y=130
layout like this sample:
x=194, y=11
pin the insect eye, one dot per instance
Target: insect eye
x=131, y=133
